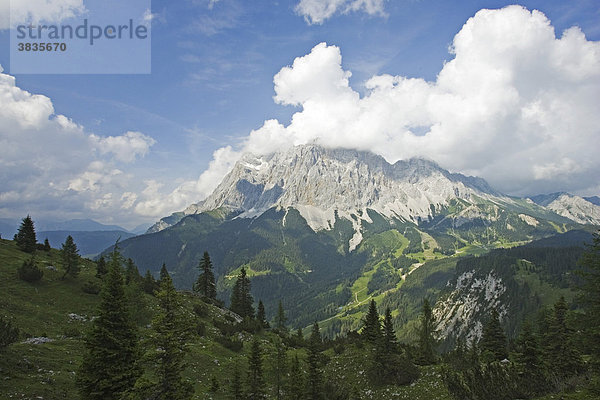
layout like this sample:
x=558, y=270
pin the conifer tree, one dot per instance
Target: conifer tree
x=205, y=285
x=279, y=367
x=149, y=284
x=493, y=339
x=314, y=378
x=25, y=237
x=101, y=268
x=29, y=271
x=132, y=274
x=426, y=339
x=280, y=320
x=372, y=326
x=47, y=245
x=236, y=385
x=164, y=274
x=255, y=382
x=590, y=300
x=109, y=367
x=8, y=333
x=528, y=349
x=390, y=342
x=261, y=318
x=70, y=257
x=241, y=298
x=170, y=332
x=561, y=355
x=295, y=386
x=299, y=336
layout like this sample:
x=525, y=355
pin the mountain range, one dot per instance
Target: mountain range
x=325, y=230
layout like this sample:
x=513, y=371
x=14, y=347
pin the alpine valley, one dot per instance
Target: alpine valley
x=327, y=230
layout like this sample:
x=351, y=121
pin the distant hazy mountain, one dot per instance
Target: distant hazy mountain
x=89, y=243
x=83, y=225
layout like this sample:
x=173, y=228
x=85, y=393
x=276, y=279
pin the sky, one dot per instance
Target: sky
x=506, y=92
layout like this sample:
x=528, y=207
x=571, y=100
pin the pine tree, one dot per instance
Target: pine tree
x=372, y=326
x=170, y=332
x=25, y=236
x=315, y=375
x=149, y=284
x=279, y=367
x=70, y=257
x=280, y=320
x=255, y=382
x=560, y=353
x=299, y=337
x=101, y=268
x=47, y=245
x=236, y=385
x=164, y=274
x=261, y=318
x=493, y=339
x=390, y=342
x=109, y=366
x=590, y=300
x=205, y=284
x=426, y=339
x=528, y=349
x=241, y=298
x=132, y=274
x=295, y=386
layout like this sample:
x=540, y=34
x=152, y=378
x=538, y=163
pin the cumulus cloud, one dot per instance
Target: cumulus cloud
x=317, y=11
x=516, y=105
x=52, y=165
x=14, y=12
x=125, y=148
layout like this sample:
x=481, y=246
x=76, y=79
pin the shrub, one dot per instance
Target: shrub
x=30, y=272
x=8, y=333
x=200, y=310
x=91, y=287
x=230, y=343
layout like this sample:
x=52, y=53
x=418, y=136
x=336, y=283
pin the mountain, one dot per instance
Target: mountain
x=578, y=209
x=326, y=230
x=81, y=225
x=89, y=243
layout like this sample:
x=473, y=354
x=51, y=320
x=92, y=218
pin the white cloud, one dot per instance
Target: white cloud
x=317, y=11
x=517, y=106
x=14, y=12
x=125, y=148
x=55, y=167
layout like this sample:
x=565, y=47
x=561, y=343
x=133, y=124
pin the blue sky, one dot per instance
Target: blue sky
x=212, y=83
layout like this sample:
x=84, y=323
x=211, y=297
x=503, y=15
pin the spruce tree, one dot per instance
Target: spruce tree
x=427, y=341
x=255, y=381
x=561, y=355
x=164, y=274
x=280, y=320
x=101, y=268
x=372, y=326
x=132, y=274
x=279, y=367
x=149, y=284
x=47, y=245
x=261, y=318
x=237, y=392
x=315, y=375
x=109, y=367
x=493, y=339
x=205, y=285
x=390, y=342
x=70, y=257
x=25, y=237
x=241, y=298
x=168, y=339
x=528, y=349
x=295, y=385
x=590, y=300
